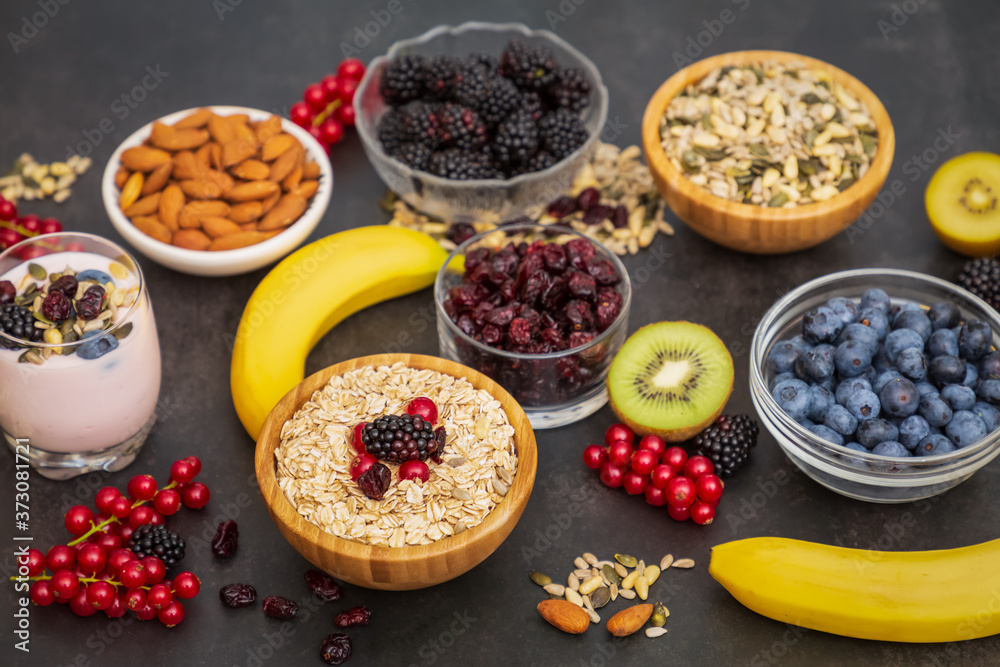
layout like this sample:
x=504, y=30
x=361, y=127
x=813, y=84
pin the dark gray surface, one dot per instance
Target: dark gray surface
x=936, y=72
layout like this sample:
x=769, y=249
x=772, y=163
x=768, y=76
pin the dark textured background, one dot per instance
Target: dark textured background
x=936, y=71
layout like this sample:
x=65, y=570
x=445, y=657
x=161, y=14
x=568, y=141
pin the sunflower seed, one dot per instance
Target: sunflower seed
x=555, y=589
x=499, y=487
x=613, y=591
x=594, y=617
x=573, y=582
x=627, y=594
x=666, y=562
x=461, y=494
x=583, y=573
x=587, y=604
x=505, y=475
x=574, y=597
x=683, y=563
x=655, y=632
x=540, y=578
x=620, y=569
x=590, y=558
x=457, y=461
x=581, y=564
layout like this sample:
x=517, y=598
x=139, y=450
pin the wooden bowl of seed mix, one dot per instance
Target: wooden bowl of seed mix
x=420, y=533
x=765, y=151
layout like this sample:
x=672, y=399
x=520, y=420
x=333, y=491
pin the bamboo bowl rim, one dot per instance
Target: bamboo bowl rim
x=656, y=156
x=500, y=520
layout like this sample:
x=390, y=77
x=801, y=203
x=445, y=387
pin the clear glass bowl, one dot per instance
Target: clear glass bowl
x=487, y=200
x=857, y=474
x=556, y=388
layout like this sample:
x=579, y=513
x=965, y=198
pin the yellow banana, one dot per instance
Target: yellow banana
x=903, y=596
x=310, y=292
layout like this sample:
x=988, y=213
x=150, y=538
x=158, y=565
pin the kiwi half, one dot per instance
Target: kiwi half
x=962, y=203
x=671, y=379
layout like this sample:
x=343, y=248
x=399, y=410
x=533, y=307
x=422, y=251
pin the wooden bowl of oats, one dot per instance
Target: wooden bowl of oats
x=765, y=151
x=420, y=533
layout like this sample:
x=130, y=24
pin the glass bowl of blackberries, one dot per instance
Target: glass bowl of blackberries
x=880, y=384
x=481, y=121
x=542, y=310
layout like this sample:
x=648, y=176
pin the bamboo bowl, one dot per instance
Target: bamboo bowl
x=758, y=229
x=395, y=568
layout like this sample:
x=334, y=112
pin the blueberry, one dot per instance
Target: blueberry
x=881, y=362
x=974, y=340
x=912, y=363
x=793, y=396
x=863, y=334
x=827, y=434
x=93, y=274
x=98, y=347
x=943, y=342
x=855, y=461
x=884, y=378
x=845, y=309
x=876, y=298
x=863, y=405
x=989, y=414
x=971, y=374
x=965, y=428
x=944, y=315
x=869, y=374
x=947, y=370
x=915, y=320
x=890, y=448
x=899, y=398
x=820, y=401
x=781, y=377
x=934, y=444
x=821, y=325
x=934, y=410
x=806, y=423
x=782, y=356
x=816, y=364
x=990, y=365
x=840, y=420
x=848, y=387
x=876, y=320
x=958, y=397
x=912, y=430
x=874, y=431
x=852, y=358
x=926, y=389
x=899, y=340
x=989, y=390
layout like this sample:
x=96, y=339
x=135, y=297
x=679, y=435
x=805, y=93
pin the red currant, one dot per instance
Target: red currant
x=155, y=570
x=142, y=487
x=31, y=252
x=332, y=131
x=195, y=495
x=347, y=90
x=100, y=595
x=159, y=596
x=643, y=461
x=697, y=466
x=709, y=488
x=351, y=68
x=167, y=502
x=415, y=470
x=33, y=563
x=41, y=593
x=140, y=516
x=182, y=472
x=125, y=531
x=80, y=605
x=661, y=475
x=117, y=558
x=8, y=211
x=655, y=444
x=156, y=519
x=680, y=492
x=360, y=465
x=195, y=464
x=675, y=457
x=105, y=497
x=107, y=541
x=135, y=599
x=594, y=456
x=60, y=557
x=31, y=223
x=356, y=442
x=612, y=475
x=146, y=613
x=132, y=574
x=679, y=513
x=656, y=496
x=92, y=558
x=317, y=134
x=172, y=615
x=424, y=407
x=618, y=432
x=345, y=114
x=634, y=483
x=120, y=507
x=117, y=608
x=315, y=97
x=74, y=246
x=620, y=453
x=702, y=513
x=331, y=86
x=186, y=585
x=65, y=584
x=78, y=520
x=301, y=114
x=9, y=237
x=50, y=226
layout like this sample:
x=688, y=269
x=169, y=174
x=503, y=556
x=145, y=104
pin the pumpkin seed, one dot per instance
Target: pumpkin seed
x=41, y=318
x=777, y=200
x=626, y=560
x=37, y=271
x=540, y=578
x=574, y=597
x=711, y=154
x=555, y=589
x=811, y=98
x=845, y=183
x=123, y=331
x=32, y=356
x=666, y=562
x=760, y=150
x=660, y=614
x=869, y=144
x=655, y=632
x=600, y=597
x=683, y=563
x=612, y=575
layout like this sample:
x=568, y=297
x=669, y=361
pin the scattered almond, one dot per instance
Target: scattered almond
x=564, y=616
x=628, y=621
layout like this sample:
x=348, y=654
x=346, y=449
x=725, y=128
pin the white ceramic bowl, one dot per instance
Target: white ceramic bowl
x=225, y=262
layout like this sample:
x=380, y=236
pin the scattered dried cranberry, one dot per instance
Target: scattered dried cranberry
x=588, y=198
x=460, y=232
x=595, y=215
x=226, y=539
x=357, y=616
x=65, y=284
x=238, y=595
x=323, y=586
x=562, y=207
x=440, y=435
x=7, y=292
x=336, y=649
x=375, y=481
x=56, y=306
x=620, y=217
x=89, y=306
x=276, y=606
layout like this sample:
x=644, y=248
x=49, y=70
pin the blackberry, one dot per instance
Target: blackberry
x=533, y=105
x=422, y=124
x=18, y=322
x=474, y=87
x=460, y=165
x=537, y=162
x=462, y=127
x=391, y=131
x=441, y=76
x=150, y=540
x=981, y=276
x=561, y=132
x=400, y=438
x=502, y=99
x=530, y=67
x=516, y=140
x=414, y=155
x=570, y=90
x=486, y=61
x=403, y=79
x=728, y=442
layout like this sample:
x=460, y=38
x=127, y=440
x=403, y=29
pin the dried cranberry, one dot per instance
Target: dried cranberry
x=440, y=435
x=336, y=649
x=567, y=366
x=553, y=337
x=89, y=306
x=530, y=314
x=480, y=311
x=479, y=275
x=562, y=207
x=609, y=306
x=521, y=331
x=537, y=347
x=579, y=251
x=7, y=292
x=375, y=481
x=522, y=249
x=588, y=198
x=474, y=257
x=467, y=326
x=357, y=616
x=581, y=285
x=603, y=271
x=580, y=315
x=578, y=338
x=56, y=306
x=467, y=297
x=536, y=284
x=276, y=606
x=508, y=290
x=492, y=334
x=226, y=539
x=595, y=215
x=460, y=232
x=556, y=295
x=323, y=586
x=65, y=284
x=536, y=248
x=500, y=316
x=529, y=265
x=238, y=595
x=505, y=261
x=620, y=217
x=555, y=257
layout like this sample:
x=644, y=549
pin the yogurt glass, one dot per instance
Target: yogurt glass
x=74, y=407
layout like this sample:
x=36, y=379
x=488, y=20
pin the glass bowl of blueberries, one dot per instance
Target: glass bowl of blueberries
x=540, y=309
x=880, y=384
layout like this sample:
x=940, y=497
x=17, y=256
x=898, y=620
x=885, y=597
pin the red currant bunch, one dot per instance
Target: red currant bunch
x=14, y=229
x=327, y=107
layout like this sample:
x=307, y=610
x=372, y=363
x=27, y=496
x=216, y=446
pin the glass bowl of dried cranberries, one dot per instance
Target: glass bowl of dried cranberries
x=540, y=309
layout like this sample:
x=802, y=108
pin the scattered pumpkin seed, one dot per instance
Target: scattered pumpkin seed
x=760, y=150
x=777, y=200
x=655, y=632
x=574, y=597
x=660, y=614
x=600, y=597
x=540, y=578
x=666, y=562
x=612, y=574
x=626, y=560
x=683, y=563
x=123, y=331
x=555, y=589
